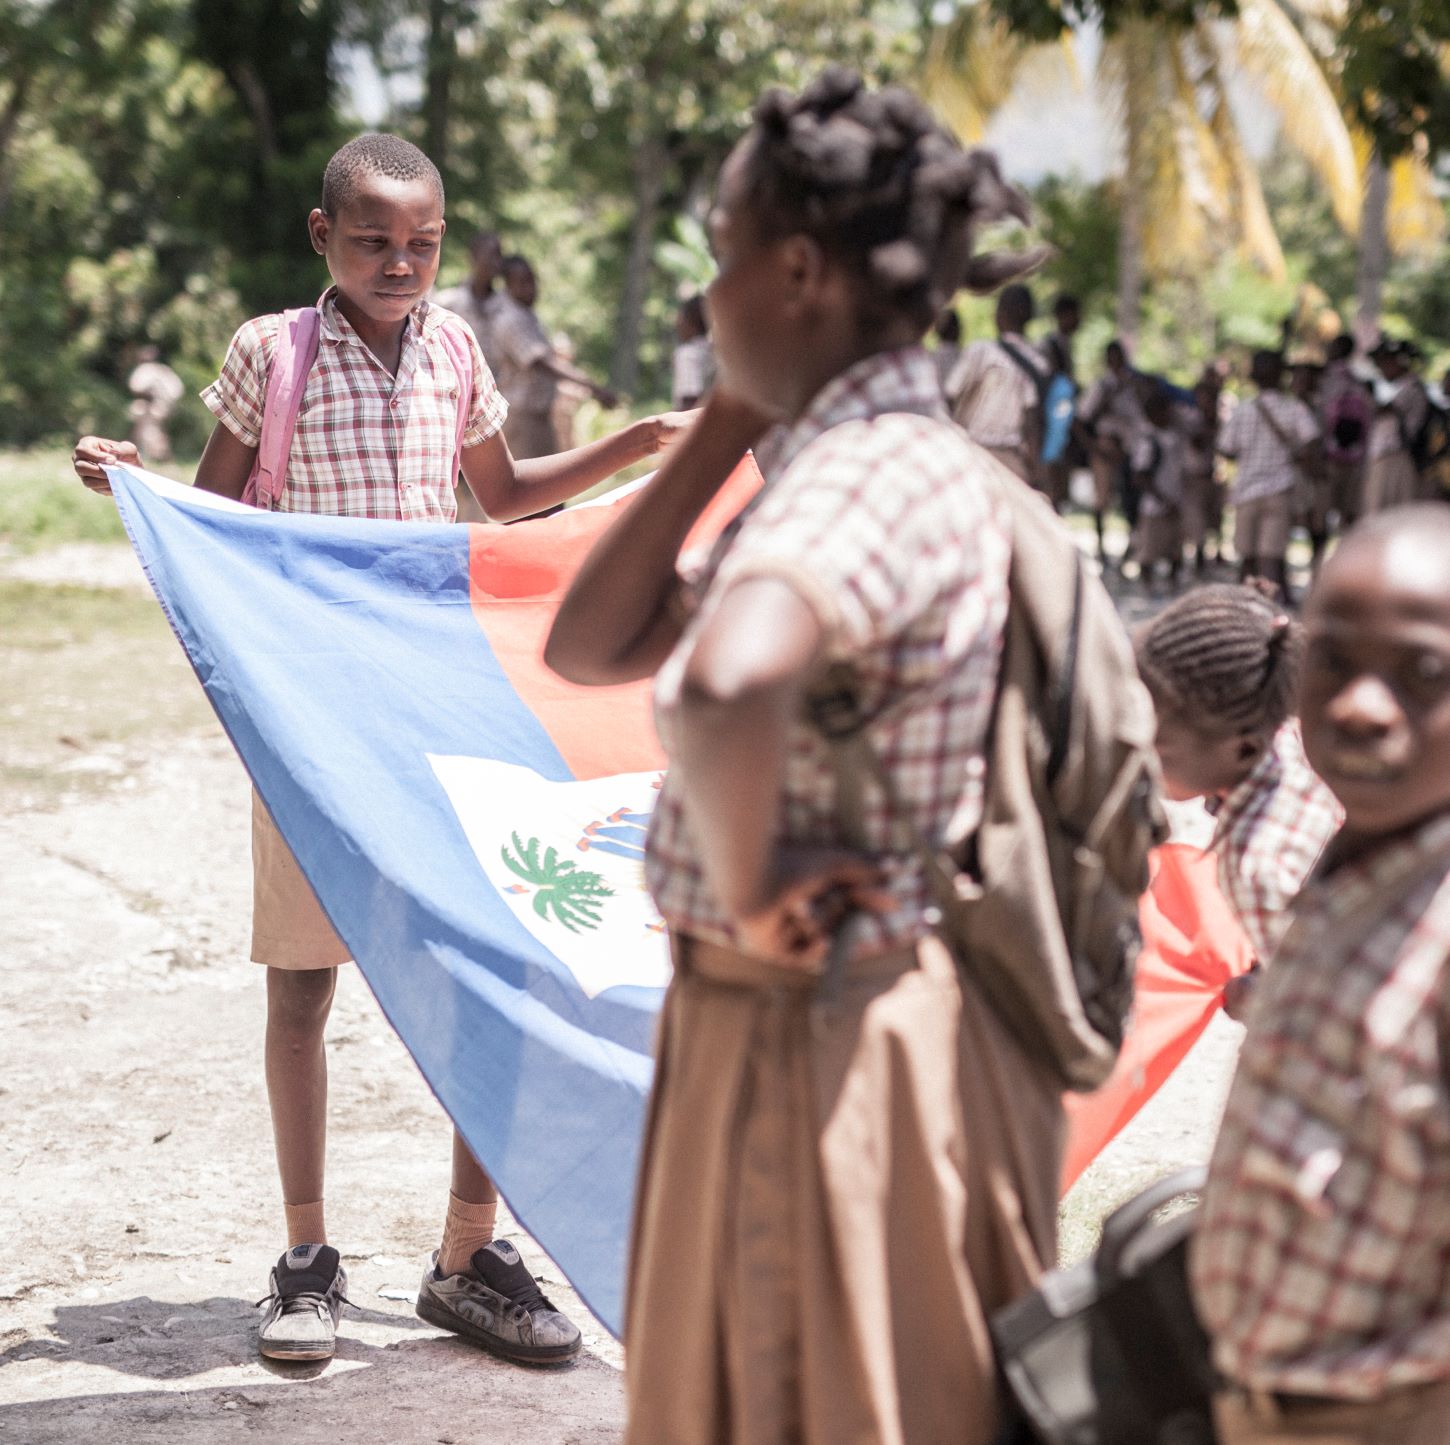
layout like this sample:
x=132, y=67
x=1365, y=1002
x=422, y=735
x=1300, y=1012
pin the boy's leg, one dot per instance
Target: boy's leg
x=472, y=1211
x=480, y=1288
x=298, y=1003
x=308, y=1284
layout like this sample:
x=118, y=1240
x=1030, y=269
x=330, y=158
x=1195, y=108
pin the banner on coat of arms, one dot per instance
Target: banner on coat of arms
x=474, y=826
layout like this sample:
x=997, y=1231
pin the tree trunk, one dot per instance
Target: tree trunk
x=248, y=85
x=1130, y=212
x=441, y=63
x=651, y=158
x=1130, y=264
x=1374, y=252
x=9, y=125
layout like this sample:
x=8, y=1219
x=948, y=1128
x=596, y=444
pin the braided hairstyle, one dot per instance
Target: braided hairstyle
x=1224, y=658
x=374, y=154
x=874, y=180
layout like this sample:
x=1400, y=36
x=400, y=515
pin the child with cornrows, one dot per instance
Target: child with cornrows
x=375, y=437
x=1222, y=664
x=840, y=1182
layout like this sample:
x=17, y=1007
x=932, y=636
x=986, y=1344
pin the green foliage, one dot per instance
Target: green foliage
x=42, y=503
x=1396, y=73
x=684, y=258
x=1081, y=221
x=158, y=159
x=1393, y=53
x=1047, y=19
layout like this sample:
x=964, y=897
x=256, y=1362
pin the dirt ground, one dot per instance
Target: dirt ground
x=136, y=1176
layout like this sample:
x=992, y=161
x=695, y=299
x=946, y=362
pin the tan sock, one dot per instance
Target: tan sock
x=467, y=1228
x=304, y=1224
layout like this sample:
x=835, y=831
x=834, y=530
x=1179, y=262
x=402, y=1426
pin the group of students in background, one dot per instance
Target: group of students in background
x=1343, y=439
x=839, y=1187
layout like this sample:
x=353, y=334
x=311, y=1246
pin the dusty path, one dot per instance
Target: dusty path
x=136, y=1177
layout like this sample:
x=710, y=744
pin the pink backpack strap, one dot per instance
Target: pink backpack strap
x=460, y=353
x=292, y=356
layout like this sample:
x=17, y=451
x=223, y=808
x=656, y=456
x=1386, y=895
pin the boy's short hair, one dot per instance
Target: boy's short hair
x=1015, y=306
x=375, y=154
x=1158, y=405
x=1267, y=368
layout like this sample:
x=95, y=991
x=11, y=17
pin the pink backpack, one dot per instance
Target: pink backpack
x=292, y=357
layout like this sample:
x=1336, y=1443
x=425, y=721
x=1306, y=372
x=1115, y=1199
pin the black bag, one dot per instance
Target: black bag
x=1109, y=1351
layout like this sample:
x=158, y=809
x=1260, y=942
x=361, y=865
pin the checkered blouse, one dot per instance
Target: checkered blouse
x=1321, y=1264
x=1271, y=830
x=876, y=515
x=367, y=444
x=1262, y=436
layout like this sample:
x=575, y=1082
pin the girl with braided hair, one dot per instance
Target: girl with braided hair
x=1222, y=664
x=847, y=1168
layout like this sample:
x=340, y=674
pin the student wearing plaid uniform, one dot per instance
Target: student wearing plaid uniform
x=995, y=389
x=1271, y=830
x=1265, y=436
x=375, y=437
x=1321, y=1264
x=530, y=368
x=476, y=300
x=836, y=1187
x=1222, y=666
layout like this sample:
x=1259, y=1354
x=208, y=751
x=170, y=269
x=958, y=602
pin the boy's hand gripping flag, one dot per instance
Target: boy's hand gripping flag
x=474, y=826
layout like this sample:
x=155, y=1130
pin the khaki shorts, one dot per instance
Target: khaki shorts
x=1261, y=526
x=289, y=928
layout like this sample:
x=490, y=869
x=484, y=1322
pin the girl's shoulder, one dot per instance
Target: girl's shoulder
x=892, y=465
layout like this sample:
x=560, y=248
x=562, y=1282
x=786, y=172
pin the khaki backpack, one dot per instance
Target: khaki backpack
x=1040, y=904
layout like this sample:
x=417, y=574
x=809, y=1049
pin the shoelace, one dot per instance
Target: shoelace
x=530, y=1298
x=305, y=1299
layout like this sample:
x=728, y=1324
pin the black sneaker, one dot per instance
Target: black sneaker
x=309, y=1289
x=498, y=1305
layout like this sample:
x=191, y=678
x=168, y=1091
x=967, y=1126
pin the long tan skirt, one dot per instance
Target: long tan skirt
x=833, y=1199
x=1390, y=481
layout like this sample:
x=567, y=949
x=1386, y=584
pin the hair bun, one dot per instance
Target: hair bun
x=874, y=179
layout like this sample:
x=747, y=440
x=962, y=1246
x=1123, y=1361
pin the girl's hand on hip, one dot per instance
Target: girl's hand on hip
x=816, y=891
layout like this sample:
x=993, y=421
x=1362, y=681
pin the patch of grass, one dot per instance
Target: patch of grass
x=90, y=683
x=42, y=502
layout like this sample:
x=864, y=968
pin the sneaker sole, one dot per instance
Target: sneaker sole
x=475, y=1334
x=295, y=1352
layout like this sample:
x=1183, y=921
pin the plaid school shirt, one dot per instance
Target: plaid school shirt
x=877, y=515
x=1262, y=436
x=1270, y=832
x=992, y=393
x=1321, y=1260
x=367, y=444
x=520, y=344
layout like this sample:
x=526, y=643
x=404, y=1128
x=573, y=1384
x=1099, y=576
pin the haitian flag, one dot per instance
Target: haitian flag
x=474, y=827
